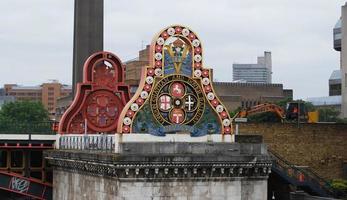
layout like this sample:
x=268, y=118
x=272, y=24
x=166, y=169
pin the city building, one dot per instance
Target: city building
x=333, y=102
x=335, y=83
x=261, y=72
x=6, y=99
x=134, y=67
x=340, y=44
x=245, y=95
x=47, y=93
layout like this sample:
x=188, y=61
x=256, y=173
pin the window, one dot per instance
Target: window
x=36, y=174
x=3, y=158
x=36, y=159
x=16, y=158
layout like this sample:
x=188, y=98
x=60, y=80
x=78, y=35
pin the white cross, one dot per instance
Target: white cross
x=190, y=103
x=177, y=117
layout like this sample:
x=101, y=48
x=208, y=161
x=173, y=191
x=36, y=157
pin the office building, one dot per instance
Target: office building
x=335, y=83
x=261, y=72
x=47, y=93
x=340, y=44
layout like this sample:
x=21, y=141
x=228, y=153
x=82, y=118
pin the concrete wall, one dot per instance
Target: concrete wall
x=77, y=186
x=322, y=147
x=300, y=195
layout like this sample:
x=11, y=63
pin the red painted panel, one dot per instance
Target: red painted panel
x=99, y=99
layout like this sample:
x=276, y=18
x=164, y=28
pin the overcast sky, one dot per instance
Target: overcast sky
x=36, y=36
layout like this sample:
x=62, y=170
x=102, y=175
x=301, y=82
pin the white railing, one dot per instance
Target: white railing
x=101, y=142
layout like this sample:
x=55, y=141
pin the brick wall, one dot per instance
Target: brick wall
x=322, y=147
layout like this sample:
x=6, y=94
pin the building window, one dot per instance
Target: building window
x=36, y=174
x=16, y=158
x=36, y=159
x=3, y=158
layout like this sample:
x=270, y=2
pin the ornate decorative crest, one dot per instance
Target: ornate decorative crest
x=99, y=99
x=176, y=92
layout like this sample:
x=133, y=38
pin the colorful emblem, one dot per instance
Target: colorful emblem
x=178, y=99
x=165, y=103
x=99, y=99
x=179, y=93
x=177, y=116
x=177, y=90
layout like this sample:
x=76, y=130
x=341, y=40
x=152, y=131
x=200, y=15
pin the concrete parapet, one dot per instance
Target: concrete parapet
x=164, y=170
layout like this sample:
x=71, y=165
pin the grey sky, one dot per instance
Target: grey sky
x=36, y=36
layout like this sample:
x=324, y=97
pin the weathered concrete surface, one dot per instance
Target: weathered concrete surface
x=322, y=147
x=164, y=170
x=68, y=185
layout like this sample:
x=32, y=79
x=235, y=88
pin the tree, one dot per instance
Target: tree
x=23, y=111
x=328, y=115
x=265, y=117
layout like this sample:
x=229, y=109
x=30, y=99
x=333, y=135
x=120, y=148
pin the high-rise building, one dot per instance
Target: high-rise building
x=47, y=93
x=335, y=83
x=261, y=72
x=340, y=44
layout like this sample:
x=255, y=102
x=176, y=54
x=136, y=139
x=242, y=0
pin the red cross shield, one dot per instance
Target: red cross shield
x=177, y=116
x=177, y=90
x=165, y=102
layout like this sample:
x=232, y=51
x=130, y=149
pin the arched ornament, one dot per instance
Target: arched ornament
x=99, y=99
x=175, y=93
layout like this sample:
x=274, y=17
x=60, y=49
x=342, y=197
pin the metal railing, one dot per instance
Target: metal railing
x=301, y=177
x=46, y=127
x=101, y=142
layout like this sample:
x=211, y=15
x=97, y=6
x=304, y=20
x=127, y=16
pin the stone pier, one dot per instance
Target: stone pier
x=164, y=170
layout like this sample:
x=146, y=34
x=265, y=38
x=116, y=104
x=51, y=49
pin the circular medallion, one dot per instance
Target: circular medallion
x=177, y=99
x=103, y=109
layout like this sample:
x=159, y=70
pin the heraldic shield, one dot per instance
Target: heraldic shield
x=99, y=99
x=175, y=93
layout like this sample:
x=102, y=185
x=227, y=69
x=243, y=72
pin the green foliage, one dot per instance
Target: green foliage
x=283, y=103
x=24, y=117
x=340, y=187
x=264, y=117
x=339, y=184
x=341, y=120
x=309, y=107
x=23, y=111
x=328, y=115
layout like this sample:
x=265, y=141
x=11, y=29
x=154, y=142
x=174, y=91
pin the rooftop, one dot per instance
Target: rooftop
x=248, y=84
x=335, y=75
x=338, y=24
x=26, y=87
x=325, y=101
